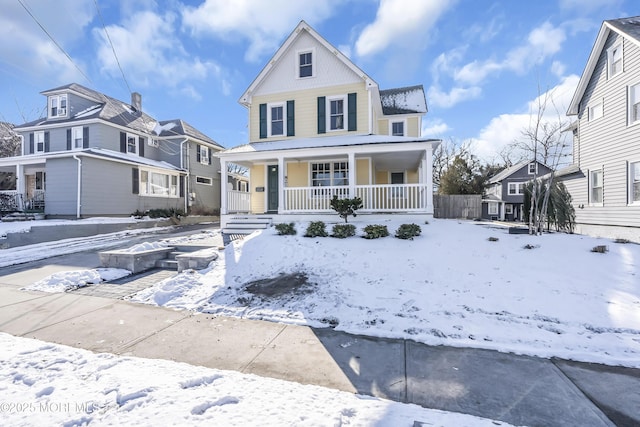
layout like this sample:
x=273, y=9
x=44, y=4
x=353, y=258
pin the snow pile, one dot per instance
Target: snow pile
x=48, y=384
x=64, y=281
x=144, y=246
x=449, y=286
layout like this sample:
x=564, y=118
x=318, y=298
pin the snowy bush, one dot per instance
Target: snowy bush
x=375, y=231
x=408, y=231
x=286, y=229
x=316, y=229
x=342, y=231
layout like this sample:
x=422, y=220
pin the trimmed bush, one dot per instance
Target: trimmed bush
x=316, y=229
x=286, y=229
x=342, y=231
x=346, y=207
x=408, y=231
x=493, y=239
x=375, y=231
x=601, y=249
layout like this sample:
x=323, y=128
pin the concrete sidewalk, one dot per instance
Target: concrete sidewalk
x=516, y=389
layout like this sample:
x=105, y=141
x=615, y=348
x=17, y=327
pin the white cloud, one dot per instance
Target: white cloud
x=507, y=128
x=434, y=128
x=397, y=19
x=438, y=98
x=262, y=23
x=150, y=54
x=558, y=68
x=30, y=52
x=586, y=6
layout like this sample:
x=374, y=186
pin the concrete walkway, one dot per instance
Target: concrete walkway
x=516, y=389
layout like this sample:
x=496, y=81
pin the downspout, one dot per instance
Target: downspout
x=79, y=185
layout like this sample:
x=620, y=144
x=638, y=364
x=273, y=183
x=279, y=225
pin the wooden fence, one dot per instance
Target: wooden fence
x=467, y=206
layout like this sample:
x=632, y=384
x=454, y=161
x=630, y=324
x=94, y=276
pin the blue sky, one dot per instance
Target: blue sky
x=482, y=63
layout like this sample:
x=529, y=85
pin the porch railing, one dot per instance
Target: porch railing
x=10, y=201
x=312, y=199
x=238, y=201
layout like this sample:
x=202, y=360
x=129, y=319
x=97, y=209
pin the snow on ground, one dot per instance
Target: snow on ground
x=49, y=384
x=449, y=286
x=69, y=280
x=25, y=226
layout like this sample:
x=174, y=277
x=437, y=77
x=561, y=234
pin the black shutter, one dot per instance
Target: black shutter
x=209, y=153
x=198, y=153
x=46, y=142
x=141, y=143
x=322, y=115
x=181, y=185
x=291, y=128
x=123, y=142
x=68, y=139
x=135, y=179
x=263, y=120
x=85, y=137
x=352, y=106
x=31, y=144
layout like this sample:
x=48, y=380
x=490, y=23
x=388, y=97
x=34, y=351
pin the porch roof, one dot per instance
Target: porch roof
x=326, y=141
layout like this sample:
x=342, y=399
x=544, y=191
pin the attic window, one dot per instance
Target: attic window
x=58, y=106
x=614, y=60
x=397, y=128
x=533, y=168
x=305, y=64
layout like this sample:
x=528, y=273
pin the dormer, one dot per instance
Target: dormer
x=57, y=106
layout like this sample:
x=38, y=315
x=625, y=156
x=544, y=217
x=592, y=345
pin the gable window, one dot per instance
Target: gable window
x=39, y=142
x=204, y=180
x=634, y=104
x=276, y=119
x=614, y=60
x=492, y=209
x=58, y=106
x=336, y=114
x=397, y=128
x=204, y=154
x=533, y=168
x=158, y=184
x=634, y=183
x=132, y=144
x=596, y=184
x=596, y=111
x=515, y=188
x=77, y=139
x=305, y=64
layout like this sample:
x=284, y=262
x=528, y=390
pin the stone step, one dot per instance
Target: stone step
x=233, y=230
x=248, y=225
x=167, y=263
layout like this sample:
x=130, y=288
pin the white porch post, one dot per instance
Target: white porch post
x=502, y=211
x=352, y=175
x=223, y=187
x=428, y=178
x=21, y=184
x=281, y=175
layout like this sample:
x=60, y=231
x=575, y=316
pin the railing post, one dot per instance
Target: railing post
x=352, y=175
x=224, y=192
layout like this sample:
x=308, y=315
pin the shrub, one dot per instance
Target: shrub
x=165, y=213
x=346, y=207
x=493, y=239
x=138, y=214
x=375, y=231
x=342, y=231
x=622, y=241
x=601, y=249
x=408, y=231
x=316, y=229
x=286, y=229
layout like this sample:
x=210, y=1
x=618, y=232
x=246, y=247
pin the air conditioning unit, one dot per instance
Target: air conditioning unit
x=62, y=112
x=153, y=142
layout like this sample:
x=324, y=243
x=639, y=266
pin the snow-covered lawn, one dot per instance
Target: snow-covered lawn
x=449, y=286
x=70, y=280
x=48, y=384
x=25, y=226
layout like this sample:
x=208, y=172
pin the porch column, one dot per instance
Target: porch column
x=428, y=178
x=282, y=205
x=21, y=184
x=502, y=211
x=352, y=175
x=223, y=187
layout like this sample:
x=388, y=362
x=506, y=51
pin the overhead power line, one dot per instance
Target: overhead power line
x=113, y=49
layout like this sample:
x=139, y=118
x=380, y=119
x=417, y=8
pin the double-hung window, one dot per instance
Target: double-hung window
x=614, y=60
x=492, y=209
x=634, y=183
x=132, y=144
x=305, y=64
x=38, y=138
x=515, y=188
x=336, y=114
x=158, y=184
x=204, y=154
x=58, y=106
x=596, y=192
x=397, y=128
x=77, y=137
x=634, y=104
x=276, y=120
x=533, y=168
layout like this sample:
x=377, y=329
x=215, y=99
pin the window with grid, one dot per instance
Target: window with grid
x=277, y=120
x=77, y=137
x=596, y=186
x=634, y=104
x=337, y=114
x=614, y=59
x=58, y=106
x=132, y=144
x=397, y=128
x=634, y=181
x=39, y=141
x=306, y=64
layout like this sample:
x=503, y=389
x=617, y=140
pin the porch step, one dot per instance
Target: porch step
x=167, y=263
x=19, y=216
x=246, y=225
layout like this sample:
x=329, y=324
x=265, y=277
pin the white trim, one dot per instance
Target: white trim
x=206, y=178
x=618, y=45
x=136, y=138
x=204, y=158
x=61, y=112
x=492, y=205
x=535, y=169
x=312, y=51
x=73, y=138
x=404, y=126
x=631, y=103
x=284, y=118
x=345, y=110
x=595, y=111
x=631, y=171
x=35, y=142
x=171, y=186
x=517, y=188
x=591, y=187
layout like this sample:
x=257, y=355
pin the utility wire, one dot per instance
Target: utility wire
x=112, y=47
x=54, y=40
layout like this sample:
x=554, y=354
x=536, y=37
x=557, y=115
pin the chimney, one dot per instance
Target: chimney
x=136, y=101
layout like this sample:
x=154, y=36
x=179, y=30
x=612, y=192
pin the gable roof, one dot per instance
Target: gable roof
x=511, y=170
x=178, y=127
x=404, y=100
x=245, y=99
x=626, y=27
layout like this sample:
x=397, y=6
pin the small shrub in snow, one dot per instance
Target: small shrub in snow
x=346, y=207
x=375, y=231
x=426, y=223
x=529, y=246
x=342, y=231
x=623, y=241
x=601, y=249
x=316, y=229
x=286, y=229
x=493, y=239
x=408, y=231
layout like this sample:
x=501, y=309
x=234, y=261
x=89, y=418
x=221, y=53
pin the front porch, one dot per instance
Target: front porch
x=22, y=185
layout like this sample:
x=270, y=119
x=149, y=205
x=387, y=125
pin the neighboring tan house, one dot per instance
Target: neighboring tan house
x=319, y=126
x=604, y=179
x=93, y=155
x=504, y=196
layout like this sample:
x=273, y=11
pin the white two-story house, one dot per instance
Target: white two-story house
x=319, y=126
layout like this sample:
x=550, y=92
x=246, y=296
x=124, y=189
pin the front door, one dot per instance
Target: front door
x=272, y=188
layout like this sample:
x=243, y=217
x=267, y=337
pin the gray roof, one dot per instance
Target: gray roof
x=630, y=26
x=182, y=128
x=404, y=100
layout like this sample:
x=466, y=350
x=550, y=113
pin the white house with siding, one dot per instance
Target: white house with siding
x=604, y=179
x=319, y=126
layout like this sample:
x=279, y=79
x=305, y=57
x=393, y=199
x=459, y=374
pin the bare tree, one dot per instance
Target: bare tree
x=9, y=140
x=444, y=156
x=236, y=169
